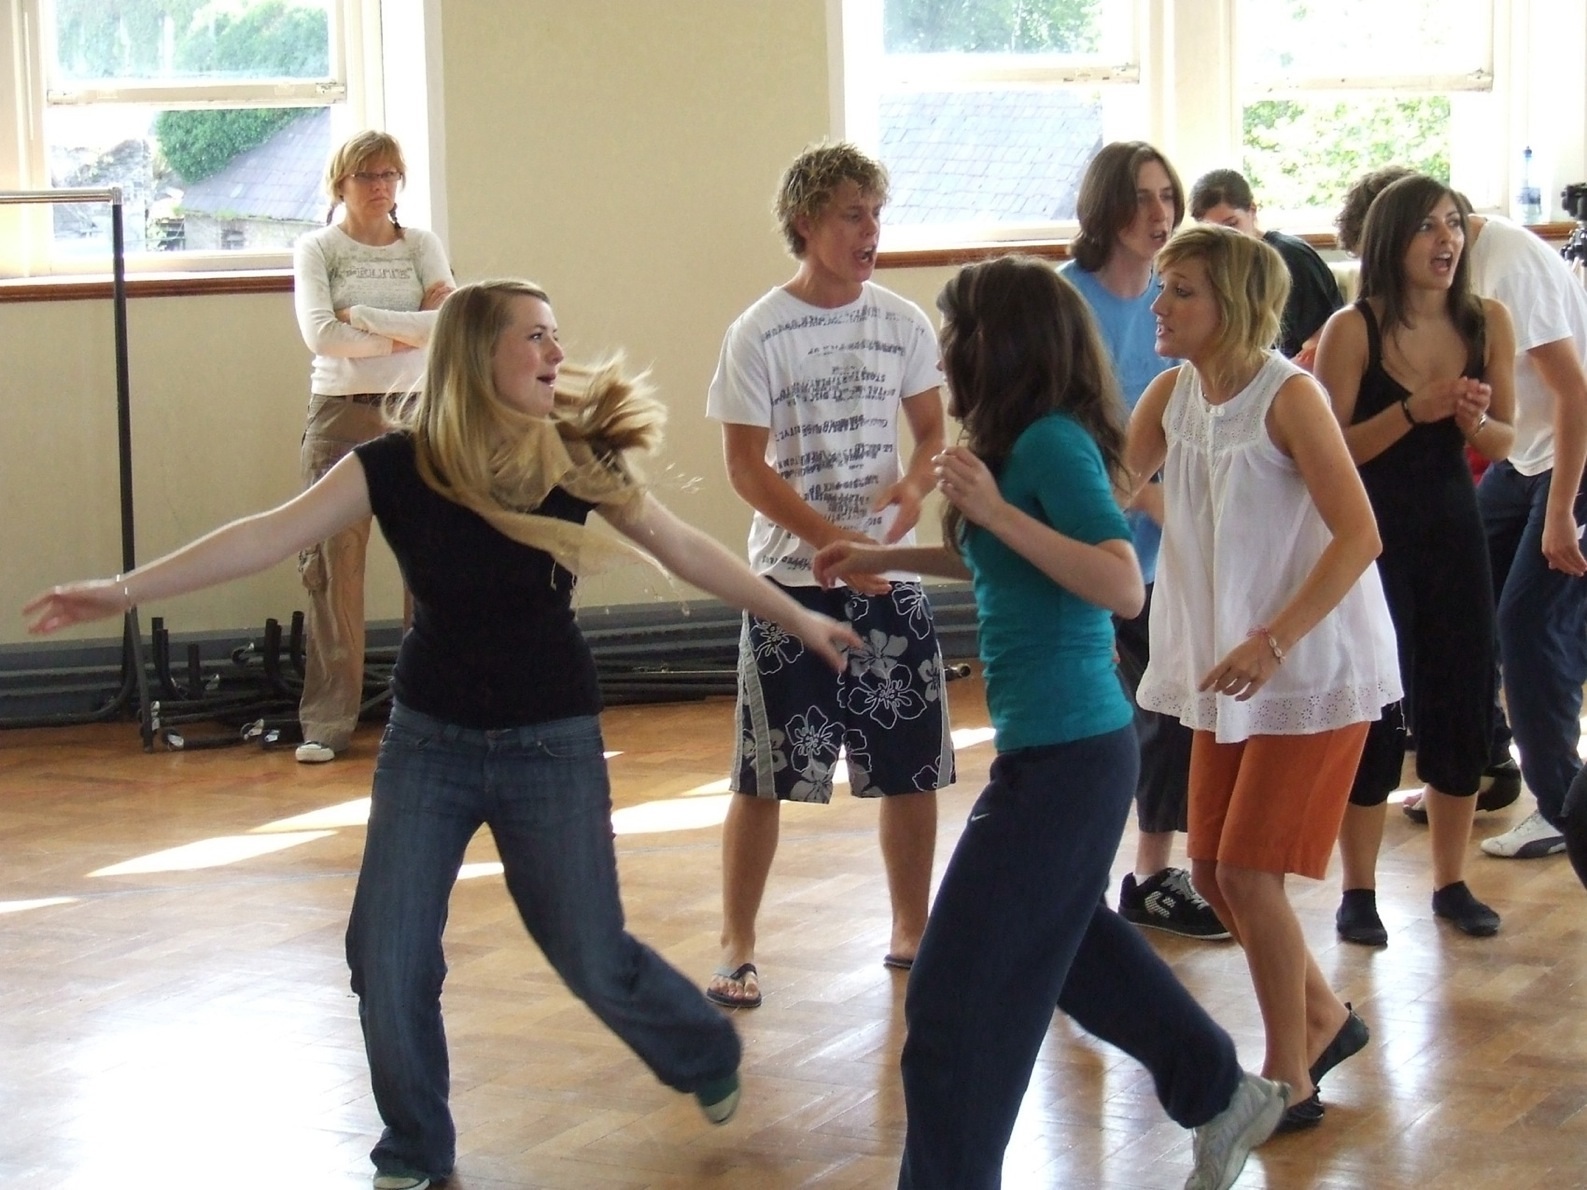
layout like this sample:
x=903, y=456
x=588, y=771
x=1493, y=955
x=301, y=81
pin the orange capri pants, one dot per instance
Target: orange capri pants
x=1272, y=803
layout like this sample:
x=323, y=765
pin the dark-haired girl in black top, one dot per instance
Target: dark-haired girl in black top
x=1417, y=369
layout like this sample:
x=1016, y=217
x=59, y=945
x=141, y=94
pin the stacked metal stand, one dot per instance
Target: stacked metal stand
x=256, y=684
x=134, y=680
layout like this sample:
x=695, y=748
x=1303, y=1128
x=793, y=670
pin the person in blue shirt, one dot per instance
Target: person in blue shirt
x=1130, y=202
x=1020, y=923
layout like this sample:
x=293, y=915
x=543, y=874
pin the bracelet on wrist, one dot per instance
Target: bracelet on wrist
x=1266, y=634
x=1405, y=408
x=1477, y=429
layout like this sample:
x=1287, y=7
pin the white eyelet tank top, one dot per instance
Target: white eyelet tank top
x=1240, y=536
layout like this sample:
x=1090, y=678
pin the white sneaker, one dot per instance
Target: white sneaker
x=719, y=1100
x=1224, y=1142
x=399, y=1181
x=1531, y=838
x=311, y=752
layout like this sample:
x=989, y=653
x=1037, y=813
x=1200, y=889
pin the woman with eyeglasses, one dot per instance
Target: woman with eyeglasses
x=366, y=290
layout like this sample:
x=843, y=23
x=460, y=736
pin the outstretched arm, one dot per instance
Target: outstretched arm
x=698, y=559
x=243, y=547
x=844, y=560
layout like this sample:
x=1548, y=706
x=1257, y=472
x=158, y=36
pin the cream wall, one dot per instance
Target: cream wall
x=620, y=152
x=623, y=153
x=219, y=386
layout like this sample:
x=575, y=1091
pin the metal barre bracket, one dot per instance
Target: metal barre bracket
x=110, y=194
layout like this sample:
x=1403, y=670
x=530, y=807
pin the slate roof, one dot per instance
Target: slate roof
x=987, y=156
x=279, y=179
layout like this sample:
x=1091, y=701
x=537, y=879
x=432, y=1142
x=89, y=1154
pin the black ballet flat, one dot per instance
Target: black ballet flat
x=1308, y=1113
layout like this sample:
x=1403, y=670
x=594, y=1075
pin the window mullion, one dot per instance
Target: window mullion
x=277, y=92
x=1475, y=80
x=939, y=71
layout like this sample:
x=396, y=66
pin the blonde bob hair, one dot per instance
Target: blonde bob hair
x=478, y=451
x=355, y=153
x=1249, y=282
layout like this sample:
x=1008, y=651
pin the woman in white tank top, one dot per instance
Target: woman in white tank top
x=1270, y=636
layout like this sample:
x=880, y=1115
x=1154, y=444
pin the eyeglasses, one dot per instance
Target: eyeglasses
x=388, y=177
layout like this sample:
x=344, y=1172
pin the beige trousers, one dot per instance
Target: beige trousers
x=333, y=575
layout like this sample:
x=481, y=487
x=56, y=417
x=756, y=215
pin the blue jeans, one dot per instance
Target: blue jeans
x=1018, y=926
x=543, y=791
x=1542, y=633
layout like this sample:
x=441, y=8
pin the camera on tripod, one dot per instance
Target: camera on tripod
x=1574, y=196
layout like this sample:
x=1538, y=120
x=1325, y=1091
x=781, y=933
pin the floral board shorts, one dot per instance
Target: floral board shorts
x=887, y=712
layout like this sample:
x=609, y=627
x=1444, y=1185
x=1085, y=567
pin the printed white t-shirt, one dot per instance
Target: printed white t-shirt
x=828, y=385
x=1512, y=265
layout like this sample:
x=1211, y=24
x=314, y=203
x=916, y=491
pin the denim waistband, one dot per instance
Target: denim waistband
x=527, y=735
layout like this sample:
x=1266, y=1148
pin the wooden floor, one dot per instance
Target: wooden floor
x=174, y=1009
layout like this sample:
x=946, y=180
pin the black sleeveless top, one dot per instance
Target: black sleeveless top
x=493, y=642
x=1430, y=455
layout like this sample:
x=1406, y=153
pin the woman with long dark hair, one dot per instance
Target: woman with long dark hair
x=1020, y=923
x=1418, y=369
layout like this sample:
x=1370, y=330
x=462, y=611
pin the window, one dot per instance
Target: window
x=1322, y=104
x=986, y=111
x=215, y=117
x=986, y=114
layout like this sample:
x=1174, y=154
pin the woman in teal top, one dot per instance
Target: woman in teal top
x=1020, y=923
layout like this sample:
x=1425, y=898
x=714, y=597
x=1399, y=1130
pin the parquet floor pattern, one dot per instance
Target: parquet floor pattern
x=174, y=1009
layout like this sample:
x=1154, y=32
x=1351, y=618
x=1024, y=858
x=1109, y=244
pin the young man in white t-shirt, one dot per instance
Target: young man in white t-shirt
x=1534, y=510
x=811, y=384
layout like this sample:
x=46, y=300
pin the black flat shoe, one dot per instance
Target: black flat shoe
x=1358, y=921
x=1308, y=1113
x=1351, y=1039
x=1456, y=905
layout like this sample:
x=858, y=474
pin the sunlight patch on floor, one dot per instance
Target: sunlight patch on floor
x=969, y=737
x=353, y=813
x=40, y=903
x=210, y=853
x=689, y=811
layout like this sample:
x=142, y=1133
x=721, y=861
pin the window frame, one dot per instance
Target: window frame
x=28, y=257
x=1193, y=99
x=856, y=27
